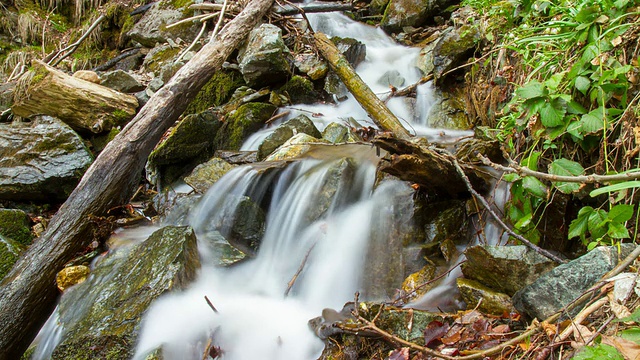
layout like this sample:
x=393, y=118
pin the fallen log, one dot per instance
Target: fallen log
x=313, y=7
x=381, y=115
x=28, y=293
x=83, y=105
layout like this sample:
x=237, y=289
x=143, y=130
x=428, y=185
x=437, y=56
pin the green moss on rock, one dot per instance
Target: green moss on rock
x=243, y=122
x=14, y=224
x=300, y=90
x=216, y=91
x=9, y=253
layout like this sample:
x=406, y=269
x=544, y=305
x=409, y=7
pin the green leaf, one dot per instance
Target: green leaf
x=535, y=187
x=632, y=334
x=582, y=83
x=554, y=81
x=532, y=90
x=617, y=231
x=635, y=317
x=579, y=226
x=615, y=187
x=592, y=122
x=510, y=177
x=596, y=223
x=621, y=213
x=552, y=115
x=523, y=222
x=598, y=352
x=565, y=167
x=575, y=129
x=531, y=161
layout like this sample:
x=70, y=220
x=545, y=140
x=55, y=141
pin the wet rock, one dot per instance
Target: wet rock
x=248, y=227
x=449, y=112
x=311, y=65
x=216, y=91
x=207, y=174
x=377, y=7
x=121, y=81
x=448, y=250
x=6, y=95
x=439, y=221
x=72, y=275
x=328, y=193
x=414, y=285
x=240, y=124
x=401, y=13
x=486, y=300
x=337, y=133
x=452, y=48
x=293, y=148
x=391, y=78
x=355, y=52
x=263, y=60
x=506, y=269
x=10, y=251
x=237, y=157
x=190, y=142
x=87, y=75
x=15, y=224
x=152, y=27
x=334, y=86
x=299, y=90
x=565, y=283
x=466, y=150
x=41, y=160
x=101, y=316
x=285, y=131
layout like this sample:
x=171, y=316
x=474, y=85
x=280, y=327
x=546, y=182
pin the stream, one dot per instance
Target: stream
x=322, y=231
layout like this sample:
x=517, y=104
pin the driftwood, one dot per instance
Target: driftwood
x=83, y=105
x=314, y=7
x=28, y=293
x=378, y=111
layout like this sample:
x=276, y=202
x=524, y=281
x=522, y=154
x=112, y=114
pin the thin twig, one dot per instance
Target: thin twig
x=276, y=117
x=498, y=219
x=405, y=296
x=300, y=268
x=586, y=179
x=220, y=19
x=210, y=304
x=190, y=19
x=73, y=47
x=204, y=27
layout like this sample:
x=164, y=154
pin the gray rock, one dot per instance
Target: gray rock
x=311, y=65
x=402, y=13
x=205, y=175
x=293, y=148
x=449, y=113
x=391, y=78
x=122, y=81
x=355, y=52
x=248, y=227
x=453, y=47
x=41, y=160
x=334, y=86
x=484, y=299
x=286, y=130
x=336, y=133
x=263, y=60
x=101, y=316
x=560, y=286
x=152, y=27
x=505, y=268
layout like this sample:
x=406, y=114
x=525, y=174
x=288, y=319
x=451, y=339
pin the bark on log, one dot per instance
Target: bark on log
x=433, y=170
x=378, y=111
x=83, y=105
x=314, y=7
x=28, y=293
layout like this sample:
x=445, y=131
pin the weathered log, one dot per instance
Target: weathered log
x=28, y=293
x=433, y=170
x=378, y=111
x=314, y=7
x=81, y=104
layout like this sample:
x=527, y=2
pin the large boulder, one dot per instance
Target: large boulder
x=264, y=59
x=505, y=268
x=101, y=317
x=42, y=160
x=286, y=130
x=241, y=123
x=401, y=13
x=557, y=288
x=152, y=27
x=451, y=48
x=207, y=174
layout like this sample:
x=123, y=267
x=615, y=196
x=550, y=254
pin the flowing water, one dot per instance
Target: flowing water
x=323, y=230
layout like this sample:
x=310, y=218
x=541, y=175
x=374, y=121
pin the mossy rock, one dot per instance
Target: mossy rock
x=14, y=224
x=286, y=130
x=439, y=221
x=449, y=112
x=10, y=251
x=159, y=56
x=299, y=90
x=246, y=120
x=486, y=300
x=216, y=91
x=207, y=174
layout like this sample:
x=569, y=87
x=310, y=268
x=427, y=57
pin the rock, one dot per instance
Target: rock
x=299, y=90
x=6, y=95
x=248, y=227
x=557, y=288
x=391, y=78
x=334, y=86
x=205, y=175
x=294, y=148
x=263, y=61
x=216, y=91
x=439, y=221
x=15, y=224
x=486, y=300
x=72, y=275
x=466, y=151
x=158, y=57
x=311, y=65
x=452, y=48
x=414, y=285
x=41, y=161
x=377, y=7
x=241, y=123
x=355, y=52
x=506, y=269
x=286, y=130
x=237, y=157
x=449, y=112
x=402, y=13
x=327, y=193
x=152, y=27
x=101, y=317
x=121, y=81
x=87, y=75
x=336, y=133
x=189, y=143
x=10, y=251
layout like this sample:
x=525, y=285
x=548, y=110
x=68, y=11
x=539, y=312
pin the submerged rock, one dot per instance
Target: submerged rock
x=42, y=160
x=565, y=283
x=480, y=297
x=263, y=61
x=285, y=131
x=207, y=174
x=101, y=316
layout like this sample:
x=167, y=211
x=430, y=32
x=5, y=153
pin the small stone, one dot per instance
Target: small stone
x=87, y=75
x=71, y=275
x=414, y=284
x=121, y=81
x=205, y=175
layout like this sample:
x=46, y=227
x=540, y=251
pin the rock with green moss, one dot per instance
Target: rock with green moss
x=216, y=91
x=286, y=130
x=484, y=299
x=158, y=57
x=449, y=112
x=241, y=123
x=453, y=47
x=100, y=141
x=101, y=316
x=207, y=174
x=247, y=229
x=311, y=65
x=336, y=133
x=188, y=144
x=299, y=90
x=294, y=148
x=152, y=27
x=377, y=7
x=10, y=251
x=264, y=59
x=14, y=224
x=41, y=160
x=401, y=13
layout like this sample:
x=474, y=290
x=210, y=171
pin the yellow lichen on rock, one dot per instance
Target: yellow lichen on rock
x=71, y=275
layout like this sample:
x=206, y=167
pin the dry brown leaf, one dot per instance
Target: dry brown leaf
x=581, y=333
x=618, y=309
x=628, y=349
x=617, y=41
x=550, y=329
